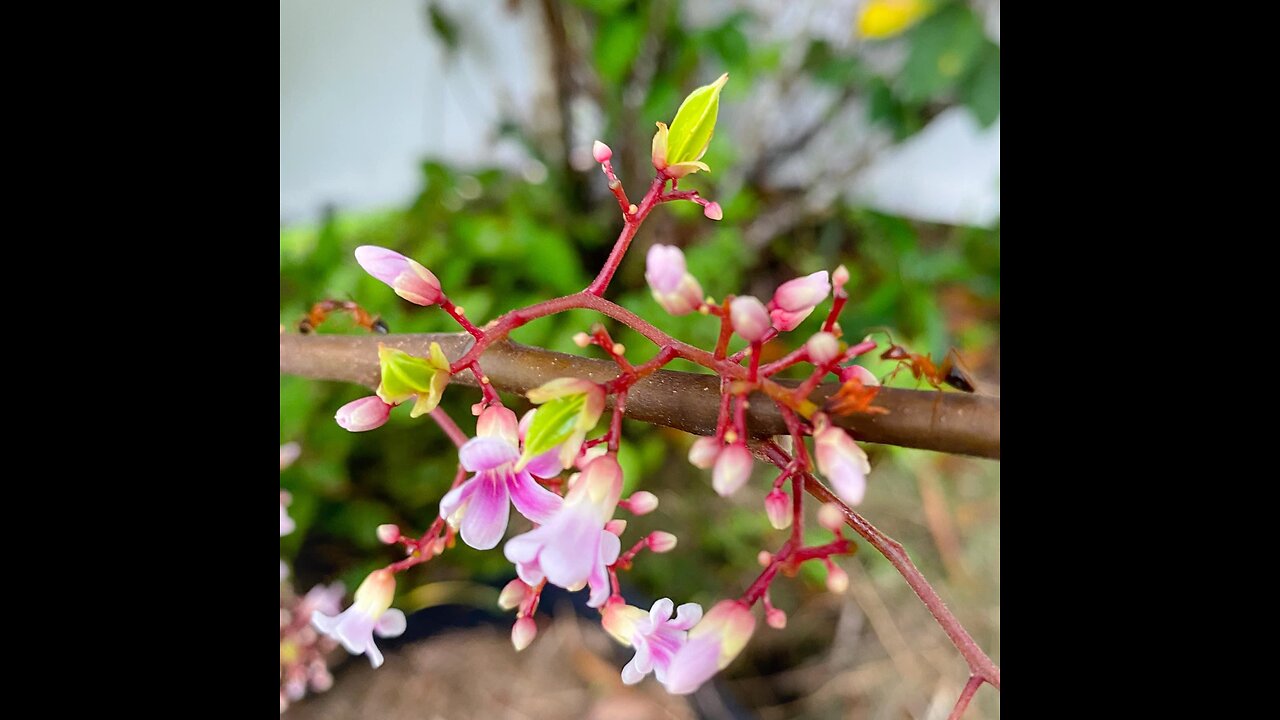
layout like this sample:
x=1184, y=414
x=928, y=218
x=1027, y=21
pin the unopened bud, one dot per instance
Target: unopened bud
x=713, y=211
x=778, y=507
x=776, y=618
x=704, y=451
x=513, y=594
x=523, y=633
x=660, y=542
x=764, y=558
x=582, y=339
x=601, y=152
x=840, y=276
x=823, y=347
x=616, y=526
x=388, y=534
x=642, y=503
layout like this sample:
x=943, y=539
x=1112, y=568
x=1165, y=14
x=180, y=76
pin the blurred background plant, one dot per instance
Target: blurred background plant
x=856, y=132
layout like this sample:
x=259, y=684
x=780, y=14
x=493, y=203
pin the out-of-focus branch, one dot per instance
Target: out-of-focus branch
x=947, y=422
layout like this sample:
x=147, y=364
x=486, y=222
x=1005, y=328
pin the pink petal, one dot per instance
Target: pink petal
x=660, y=613
x=664, y=267
x=687, y=615
x=849, y=482
x=802, y=293
x=546, y=465
x=630, y=673
x=566, y=559
x=749, y=318
x=610, y=547
x=391, y=624
x=485, y=519
x=457, y=498
x=787, y=321
x=693, y=665
x=487, y=453
x=531, y=499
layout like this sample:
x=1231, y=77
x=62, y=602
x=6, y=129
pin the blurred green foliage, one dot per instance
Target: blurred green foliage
x=497, y=242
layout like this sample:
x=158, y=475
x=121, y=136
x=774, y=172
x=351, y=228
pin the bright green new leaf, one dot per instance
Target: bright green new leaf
x=554, y=422
x=404, y=376
x=695, y=123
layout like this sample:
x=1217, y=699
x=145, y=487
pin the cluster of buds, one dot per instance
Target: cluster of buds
x=576, y=542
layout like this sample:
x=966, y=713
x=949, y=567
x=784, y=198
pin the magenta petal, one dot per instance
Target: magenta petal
x=486, y=453
x=693, y=665
x=531, y=499
x=485, y=519
x=546, y=465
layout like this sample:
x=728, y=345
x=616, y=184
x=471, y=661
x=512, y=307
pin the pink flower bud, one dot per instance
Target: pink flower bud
x=365, y=414
x=672, y=286
x=776, y=618
x=704, y=452
x=802, y=293
x=778, y=507
x=840, y=277
x=523, y=633
x=830, y=517
x=410, y=280
x=841, y=460
x=713, y=211
x=764, y=557
x=732, y=470
x=837, y=579
x=642, y=503
x=749, y=318
x=513, y=594
x=388, y=534
x=823, y=347
x=617, y=526
x=660, y=542
x=601, y=152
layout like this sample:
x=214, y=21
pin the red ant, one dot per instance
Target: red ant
x=321, y=310
x=855, y=397
x=951, y=372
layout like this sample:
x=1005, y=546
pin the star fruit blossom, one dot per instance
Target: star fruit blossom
x=481, y=505
x=655, y=636
x=573, y=548
x=371, y=612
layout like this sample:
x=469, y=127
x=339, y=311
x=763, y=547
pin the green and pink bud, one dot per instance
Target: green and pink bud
x=678, y=150
x=411, y=281
x=406, y=376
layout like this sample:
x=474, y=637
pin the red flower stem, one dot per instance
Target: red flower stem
x=755, y=361
x=455, y=312
x=837, y=305
x=624, y=560
x=615, y=186
x=795, y=357
x=490, y=394
x=615, y=425
x=449, y=427
x=800, y=463
x=769, y=334
x=979, y=664
x=811, y=382
x=726, y=330
x=682, y=195
x=966, y=695
x=630, y=227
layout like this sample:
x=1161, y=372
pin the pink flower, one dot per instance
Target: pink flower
x=573, y=548
x=794, y=300
x=654, y=635
x=749, y=318
x=841, y=460
x=480, y=506
x=733, y=468
x=371, y=612
x=410, y=280
x=601, y=152
x=669, y=280
x=364, y=414
x=711, y=646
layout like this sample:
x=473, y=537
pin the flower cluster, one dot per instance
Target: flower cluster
x=576, y=539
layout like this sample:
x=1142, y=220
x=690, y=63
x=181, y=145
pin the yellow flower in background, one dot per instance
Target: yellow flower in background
x=881, y=19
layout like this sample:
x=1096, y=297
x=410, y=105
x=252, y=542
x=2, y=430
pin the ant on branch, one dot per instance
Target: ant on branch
x=951, y=372
x=322, y=309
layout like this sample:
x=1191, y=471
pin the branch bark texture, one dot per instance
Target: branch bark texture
x=960, y=423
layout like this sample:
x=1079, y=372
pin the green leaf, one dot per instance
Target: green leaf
x=944, y=49
x=553, y=424
x=982, y=92
x=695, y=123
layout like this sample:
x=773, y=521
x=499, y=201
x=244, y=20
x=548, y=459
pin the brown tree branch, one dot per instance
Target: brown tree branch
x=947, y=422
